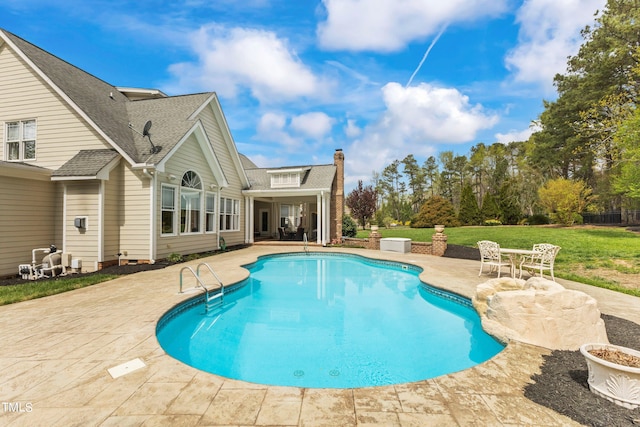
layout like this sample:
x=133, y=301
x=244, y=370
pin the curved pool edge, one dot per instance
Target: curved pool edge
x=442, y=292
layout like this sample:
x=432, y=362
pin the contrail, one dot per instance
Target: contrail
x=433, y=43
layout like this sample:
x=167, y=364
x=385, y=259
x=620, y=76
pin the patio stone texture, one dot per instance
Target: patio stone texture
x=56, y=351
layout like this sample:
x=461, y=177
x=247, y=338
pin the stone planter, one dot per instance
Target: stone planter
x=616, y=383
x=439, y=228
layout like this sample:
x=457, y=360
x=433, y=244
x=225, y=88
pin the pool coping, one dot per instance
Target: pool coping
x=53, y=365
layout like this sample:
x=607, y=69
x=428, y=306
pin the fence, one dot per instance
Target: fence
x=627, y=217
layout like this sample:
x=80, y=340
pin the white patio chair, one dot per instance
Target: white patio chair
x=543, y=260
x=490, y=256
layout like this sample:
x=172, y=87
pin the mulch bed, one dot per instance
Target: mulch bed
x=562, y=383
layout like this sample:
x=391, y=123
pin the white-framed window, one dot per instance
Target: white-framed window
x=168, y=202
x=290, y=216
x=229, y=214
x=291, y=179
x=190, y=203
x=210, y=213
x=20, y=140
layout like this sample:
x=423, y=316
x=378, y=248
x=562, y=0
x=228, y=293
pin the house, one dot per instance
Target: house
x=115, y=174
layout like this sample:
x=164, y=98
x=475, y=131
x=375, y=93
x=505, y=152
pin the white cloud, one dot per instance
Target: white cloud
x=433, y=114
x=314, y=125
x=272, y=128
x=351, y=129
x=233, y=59
x=389, y=25
x=515, y=135
x=293, y=131
x=549, y=33
x=416, y=120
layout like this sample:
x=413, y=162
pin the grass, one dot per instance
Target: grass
x=42, y=288
x=584, y=249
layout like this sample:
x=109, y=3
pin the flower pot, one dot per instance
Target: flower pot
x=617, y=383
x=439, y=228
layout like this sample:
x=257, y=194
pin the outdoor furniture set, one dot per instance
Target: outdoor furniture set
x=539, y=259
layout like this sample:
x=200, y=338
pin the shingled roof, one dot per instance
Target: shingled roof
x=111, y=111
x=315, y=177
x=87, y=163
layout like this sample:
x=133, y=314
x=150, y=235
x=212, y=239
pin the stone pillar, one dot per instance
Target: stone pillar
x=337, y=197
x=439, y=242
x=374, y=240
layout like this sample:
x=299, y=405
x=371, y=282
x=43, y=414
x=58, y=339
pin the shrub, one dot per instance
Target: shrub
x=490, y=222
x=174, y=257
x=469, y=213
x=563, y=198
x=537, y=219
x=192, y=257
x=436, y=210
x=349, y=226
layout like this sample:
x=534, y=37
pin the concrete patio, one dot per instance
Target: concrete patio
x=56, y=351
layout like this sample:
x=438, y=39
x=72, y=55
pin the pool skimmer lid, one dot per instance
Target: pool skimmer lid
x=126, y=368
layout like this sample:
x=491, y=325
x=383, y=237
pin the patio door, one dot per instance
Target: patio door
x=264, y=222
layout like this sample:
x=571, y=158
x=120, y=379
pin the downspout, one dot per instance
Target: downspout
x=152, y=214
x=101, y=257
x=64, y=218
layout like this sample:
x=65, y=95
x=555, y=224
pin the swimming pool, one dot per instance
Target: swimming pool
x=328, y=321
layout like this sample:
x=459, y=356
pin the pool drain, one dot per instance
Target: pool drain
x=298, y=373
x=334, y=372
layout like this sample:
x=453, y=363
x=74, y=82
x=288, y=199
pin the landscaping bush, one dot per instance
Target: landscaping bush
x=349, y=226
x=436, y=210
x=537, y=219
x=174, y=257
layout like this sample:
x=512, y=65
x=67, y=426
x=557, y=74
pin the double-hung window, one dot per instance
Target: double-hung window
x=20, y=140
x=229, y=214
x=210, y=212
x=168, y=210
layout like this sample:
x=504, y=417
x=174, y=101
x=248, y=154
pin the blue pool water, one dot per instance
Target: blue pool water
x=328, y=320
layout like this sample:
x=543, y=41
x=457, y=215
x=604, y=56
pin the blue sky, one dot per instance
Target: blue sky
x=299, y=78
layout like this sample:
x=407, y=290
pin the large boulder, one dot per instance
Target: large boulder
x=539, y=312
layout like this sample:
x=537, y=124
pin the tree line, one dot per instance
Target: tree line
x=584, y=156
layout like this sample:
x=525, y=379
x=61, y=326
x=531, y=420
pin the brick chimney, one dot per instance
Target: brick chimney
x=337, y=196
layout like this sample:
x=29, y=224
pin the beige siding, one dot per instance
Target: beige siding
x=27, y=220
x=135, y=214
x=83, y=200
x=60, y=130
x=223, y=154
x=113, y=212
x=189, y=157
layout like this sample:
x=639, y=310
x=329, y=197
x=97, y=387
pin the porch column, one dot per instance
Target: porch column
x=251, y=219
x=326, y=227
x=319, y=219
x=246, y=219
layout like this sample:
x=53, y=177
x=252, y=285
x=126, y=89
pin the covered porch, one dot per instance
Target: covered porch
x=288, y=217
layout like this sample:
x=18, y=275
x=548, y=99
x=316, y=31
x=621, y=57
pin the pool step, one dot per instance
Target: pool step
x=214, y=300
x=214, y=296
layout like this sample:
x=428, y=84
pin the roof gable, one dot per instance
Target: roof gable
x=99, y=103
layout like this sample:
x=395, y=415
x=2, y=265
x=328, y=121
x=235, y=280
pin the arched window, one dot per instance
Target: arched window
x=190, y=203
x=190, y=179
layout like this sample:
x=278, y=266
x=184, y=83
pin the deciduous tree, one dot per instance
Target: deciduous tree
x=362, y=202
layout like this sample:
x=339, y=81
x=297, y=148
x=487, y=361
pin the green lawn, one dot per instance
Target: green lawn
x=42, y=288
x=587, y=252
